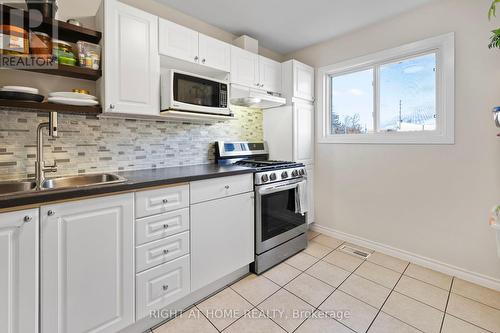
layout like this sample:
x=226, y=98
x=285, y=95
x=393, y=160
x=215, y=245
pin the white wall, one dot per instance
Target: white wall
x=433, y=201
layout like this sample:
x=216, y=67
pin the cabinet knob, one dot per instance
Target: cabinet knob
x=261, y=85
x=257, y=84
x=165, y=251
x=165, y=201
x=203, y=61
x=28, y=218
x=165, y=226
x=196, y=58
x=111, y=106
x=51, y=213
x=226, y=187
x=165, y=287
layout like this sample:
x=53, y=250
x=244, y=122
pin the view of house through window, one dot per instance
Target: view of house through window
x=406, y=100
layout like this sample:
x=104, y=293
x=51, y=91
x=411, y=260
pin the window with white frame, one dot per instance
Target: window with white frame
x=402, y=95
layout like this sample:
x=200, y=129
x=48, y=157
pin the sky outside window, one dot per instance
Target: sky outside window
x=408, y=94
x=352, y=103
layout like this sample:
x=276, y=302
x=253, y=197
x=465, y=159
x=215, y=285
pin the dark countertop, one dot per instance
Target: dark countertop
x=135, y=180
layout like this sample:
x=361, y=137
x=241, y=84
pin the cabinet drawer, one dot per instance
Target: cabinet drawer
x=161, y=251
x=162, y=285
x=160, y=226
x=162, y=200
x=216, y=188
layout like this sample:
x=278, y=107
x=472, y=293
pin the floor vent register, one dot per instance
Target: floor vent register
x=354, y=251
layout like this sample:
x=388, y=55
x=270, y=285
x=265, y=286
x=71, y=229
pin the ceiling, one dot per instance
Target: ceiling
x=289, y=25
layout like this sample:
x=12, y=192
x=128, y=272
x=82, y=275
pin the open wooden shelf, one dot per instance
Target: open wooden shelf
x=48, y=107
x=70, y=71
x=65, y=31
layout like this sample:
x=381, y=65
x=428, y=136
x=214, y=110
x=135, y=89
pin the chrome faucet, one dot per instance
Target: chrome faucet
x=40, y=167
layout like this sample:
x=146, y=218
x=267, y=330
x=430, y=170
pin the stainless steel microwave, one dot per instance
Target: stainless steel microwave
x=190, y=92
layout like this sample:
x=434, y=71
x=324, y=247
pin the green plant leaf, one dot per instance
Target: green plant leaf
x=492, y=11
x=495, y=39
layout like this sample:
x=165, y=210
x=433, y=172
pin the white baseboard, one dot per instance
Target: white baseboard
x=480, y=279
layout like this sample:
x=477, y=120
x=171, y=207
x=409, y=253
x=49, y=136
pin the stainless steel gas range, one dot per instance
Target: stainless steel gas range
x=280, y=201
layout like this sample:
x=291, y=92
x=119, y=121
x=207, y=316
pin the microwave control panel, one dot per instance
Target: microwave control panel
x=223, y=95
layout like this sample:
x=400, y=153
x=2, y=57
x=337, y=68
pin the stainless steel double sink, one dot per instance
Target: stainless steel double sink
x=16, y=187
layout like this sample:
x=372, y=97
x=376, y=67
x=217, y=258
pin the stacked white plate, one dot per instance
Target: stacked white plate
x=72, y=98
x=22, y=89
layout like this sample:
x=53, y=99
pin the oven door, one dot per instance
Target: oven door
x=198, y=94
x=276, y=219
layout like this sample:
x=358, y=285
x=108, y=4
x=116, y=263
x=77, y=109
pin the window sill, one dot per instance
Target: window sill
x=389, y=139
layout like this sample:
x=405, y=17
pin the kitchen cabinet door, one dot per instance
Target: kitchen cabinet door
x=177, y=41
x=19, y=271
x=214, y=53
x=310, y=193
x=303, y=81
x=131, y=60
x=269, y=74
x=244, y=67
x=303, y=136
x=87, y=265
x=222, y=238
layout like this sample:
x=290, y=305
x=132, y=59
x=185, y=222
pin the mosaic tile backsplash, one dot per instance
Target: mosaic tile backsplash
x=89, y=145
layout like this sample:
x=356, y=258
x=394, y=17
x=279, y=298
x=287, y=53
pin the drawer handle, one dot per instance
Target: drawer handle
x=165, y=251
x=226, y=187
x=165, y=287
x=165, y=201
x=165, y=226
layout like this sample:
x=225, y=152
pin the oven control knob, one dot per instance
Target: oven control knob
x=272, y=176
x=284, y=174
x=302, y=172
x=264, y=178
x=295, y=173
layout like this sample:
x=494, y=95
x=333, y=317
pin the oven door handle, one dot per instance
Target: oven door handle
x=278, y=188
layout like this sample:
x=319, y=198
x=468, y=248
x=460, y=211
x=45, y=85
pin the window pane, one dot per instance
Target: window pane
x=408, y=95
x=352, y=103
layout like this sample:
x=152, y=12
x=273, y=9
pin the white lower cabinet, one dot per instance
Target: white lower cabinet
x=160, y=226
x=161, y=200
x=19, y=271
x=161, y=251
x=162, y=285
x=87, y=261
x=222, y=237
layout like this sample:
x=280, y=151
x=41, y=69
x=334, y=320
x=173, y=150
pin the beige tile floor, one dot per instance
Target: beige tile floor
x=322, y=290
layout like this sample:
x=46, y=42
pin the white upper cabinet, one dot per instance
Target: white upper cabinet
x=298, y=80
x=177, y=41
x=303, y=81
x=182, y=43
x=254, y=71
x=214, y=53
x=131, y=67
x=19, y=272
x=87, y=275
x=244, y=67
x=269, y=74
x=303, y=137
